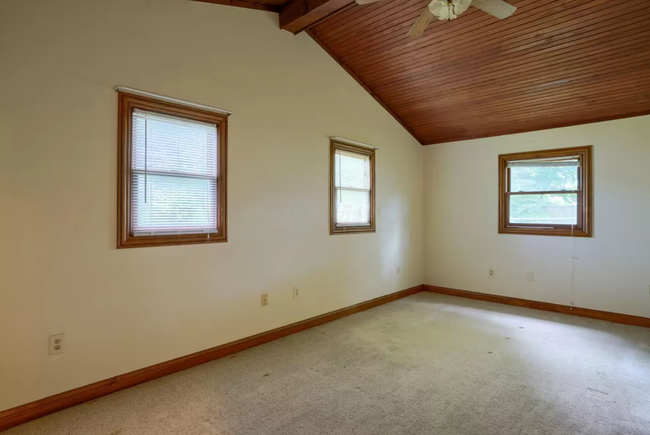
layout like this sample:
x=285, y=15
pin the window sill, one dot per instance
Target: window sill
x=180, y=239
x=558, y=232
x=352, y=230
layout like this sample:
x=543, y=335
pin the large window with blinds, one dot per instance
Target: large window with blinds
x=352, y=188
x=172, y=174
x=546, y=192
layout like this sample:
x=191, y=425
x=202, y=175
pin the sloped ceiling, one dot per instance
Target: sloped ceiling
x=553, y=63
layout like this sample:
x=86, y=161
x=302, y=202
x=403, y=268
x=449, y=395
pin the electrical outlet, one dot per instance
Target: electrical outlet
x=530, y=276
x=265, y=299
x=57, y=344
x=398, y=271
x=296, y=292
x=491, y=272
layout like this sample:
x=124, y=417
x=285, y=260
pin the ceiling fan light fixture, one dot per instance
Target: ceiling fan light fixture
x=461, y=6
x=448, y=9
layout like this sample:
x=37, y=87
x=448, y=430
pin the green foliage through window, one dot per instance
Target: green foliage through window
x=551, y=208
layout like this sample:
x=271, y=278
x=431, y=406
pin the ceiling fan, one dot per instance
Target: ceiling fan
x=451, y=9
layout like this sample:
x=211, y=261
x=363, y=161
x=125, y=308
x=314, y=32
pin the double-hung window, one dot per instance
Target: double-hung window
x=352, y=188
x=546, y=192
x=172, y=182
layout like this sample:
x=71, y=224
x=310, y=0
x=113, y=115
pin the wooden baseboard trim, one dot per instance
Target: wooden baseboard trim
x=30, y=411
x=546, y=306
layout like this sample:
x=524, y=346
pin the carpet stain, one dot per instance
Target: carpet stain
x=598, y=395
x=266, y=374
x=116, y=432
x=490, y=352
x=507, y=338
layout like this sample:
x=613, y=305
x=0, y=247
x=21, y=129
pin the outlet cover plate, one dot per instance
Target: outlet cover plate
x=57, y=344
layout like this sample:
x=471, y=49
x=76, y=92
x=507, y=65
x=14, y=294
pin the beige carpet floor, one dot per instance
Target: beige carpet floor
x=426, y=364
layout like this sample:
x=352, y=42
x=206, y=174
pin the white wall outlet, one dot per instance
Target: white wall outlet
x=265, y=299
x=296, y=292
x=530, y=276
x=491, y=273
x=398, y=271
x=57, y=344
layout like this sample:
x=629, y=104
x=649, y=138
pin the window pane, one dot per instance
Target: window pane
x=165, y=143
x=543, y=178
x=544, y=209
x=352, y=170
x=164, y=203
x=352, y=207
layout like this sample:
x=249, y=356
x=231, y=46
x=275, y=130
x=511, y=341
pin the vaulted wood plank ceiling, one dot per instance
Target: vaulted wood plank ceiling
x=553, y=63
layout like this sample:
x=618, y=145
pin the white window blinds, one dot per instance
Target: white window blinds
x=546, y=163
x=352, y=184
x=174, y=175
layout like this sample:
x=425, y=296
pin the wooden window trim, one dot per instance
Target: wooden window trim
x=334, y=229
x=584, y=228
x=125, y=238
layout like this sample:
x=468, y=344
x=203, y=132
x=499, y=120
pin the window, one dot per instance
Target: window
x=172, y=175
x=546, y=192
x=352, y=188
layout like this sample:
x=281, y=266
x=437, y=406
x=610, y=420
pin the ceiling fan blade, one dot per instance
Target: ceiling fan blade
x=365, y=2
x=421, y=23
x=497, y=8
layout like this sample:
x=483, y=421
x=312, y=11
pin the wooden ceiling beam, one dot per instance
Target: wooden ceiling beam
x=244, y=4
x=299, y=15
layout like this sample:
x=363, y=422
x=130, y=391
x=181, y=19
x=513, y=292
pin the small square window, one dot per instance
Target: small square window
x=546, y=192
x=172, y=182
x=352, y=189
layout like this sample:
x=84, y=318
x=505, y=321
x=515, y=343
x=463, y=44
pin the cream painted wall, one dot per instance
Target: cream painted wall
x=122, y=310
x=612, y=269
